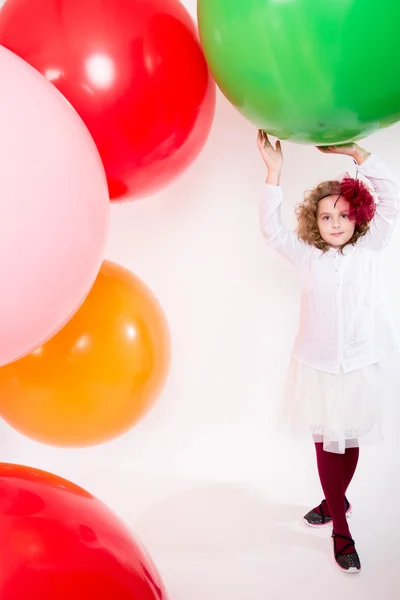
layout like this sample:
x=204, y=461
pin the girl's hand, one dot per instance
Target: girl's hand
x=272, y=157
x=354, y=150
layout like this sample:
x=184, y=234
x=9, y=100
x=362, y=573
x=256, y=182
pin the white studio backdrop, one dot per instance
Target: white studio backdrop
x=213, y=489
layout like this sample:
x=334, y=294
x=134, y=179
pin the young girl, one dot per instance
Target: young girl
x=345, y=329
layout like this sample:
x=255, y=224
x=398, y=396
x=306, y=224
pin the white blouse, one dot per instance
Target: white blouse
x=344, y=319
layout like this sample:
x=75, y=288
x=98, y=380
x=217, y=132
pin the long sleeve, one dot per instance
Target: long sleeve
x=387, y=191
x=277, y=236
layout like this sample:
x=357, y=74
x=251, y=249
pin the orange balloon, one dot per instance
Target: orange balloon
x=99, y=375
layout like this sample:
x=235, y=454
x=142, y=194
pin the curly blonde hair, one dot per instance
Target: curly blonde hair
x=306, y=212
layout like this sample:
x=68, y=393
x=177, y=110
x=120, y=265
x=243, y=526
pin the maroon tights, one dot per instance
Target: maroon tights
x=335, y=473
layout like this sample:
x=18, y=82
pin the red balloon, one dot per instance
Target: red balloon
x=60, y=543
x=135, y=72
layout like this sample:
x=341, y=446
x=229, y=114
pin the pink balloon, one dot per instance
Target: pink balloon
x=54, y=209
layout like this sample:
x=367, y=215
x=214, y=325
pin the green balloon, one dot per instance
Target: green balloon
x=312, y=71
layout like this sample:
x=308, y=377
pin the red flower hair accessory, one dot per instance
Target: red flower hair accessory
x=362, y=203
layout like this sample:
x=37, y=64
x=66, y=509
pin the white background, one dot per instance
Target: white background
x=214, y=490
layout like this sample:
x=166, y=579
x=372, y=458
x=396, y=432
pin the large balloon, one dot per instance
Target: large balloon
x=135, y=72
x=54, y=209
x=313, y=71
x=60, y=543
x=99, y=375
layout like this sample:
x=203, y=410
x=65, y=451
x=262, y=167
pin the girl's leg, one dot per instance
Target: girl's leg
x=331, y=473
x=349, y=467
x=350, y=464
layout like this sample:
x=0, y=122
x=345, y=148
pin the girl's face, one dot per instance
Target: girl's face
x=334, y=224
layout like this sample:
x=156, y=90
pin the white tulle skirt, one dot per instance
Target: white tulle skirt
x=337, y=410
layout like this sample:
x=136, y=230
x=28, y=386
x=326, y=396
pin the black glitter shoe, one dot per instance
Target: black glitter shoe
x=348, y=563
x=315, y=519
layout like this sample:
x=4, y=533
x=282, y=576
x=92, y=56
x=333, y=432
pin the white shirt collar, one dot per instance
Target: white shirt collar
x=347, y=250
